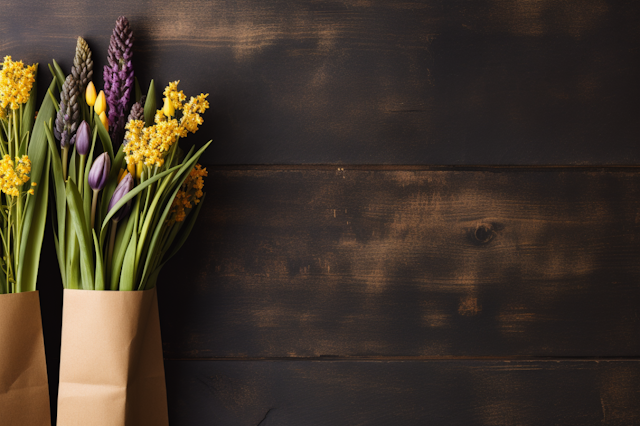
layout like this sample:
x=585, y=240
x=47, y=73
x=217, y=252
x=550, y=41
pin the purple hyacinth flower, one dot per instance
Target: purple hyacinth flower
x=118, y=77
x=99, y=172
x=123, y=188
x=83, y=138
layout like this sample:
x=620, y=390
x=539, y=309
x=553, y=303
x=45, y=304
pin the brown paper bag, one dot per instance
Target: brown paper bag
x=111, y=365
x=24, y=388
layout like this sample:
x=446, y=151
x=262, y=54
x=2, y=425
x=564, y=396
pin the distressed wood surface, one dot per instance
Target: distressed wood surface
x=483, y=393
x=310, y=263
x=376, y=81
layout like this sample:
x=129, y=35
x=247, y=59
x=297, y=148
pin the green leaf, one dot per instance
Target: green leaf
x=133, y=193
x=36, y=212
x=60, y=75
x=87, y=191
x=29, y=112
x=128, y=266
x=188, y=165
x=60, y=194
x=82, y=232
x=150, y=105
x=185, y=231
x=99, y=267
x=107, y=146
x=123, y=236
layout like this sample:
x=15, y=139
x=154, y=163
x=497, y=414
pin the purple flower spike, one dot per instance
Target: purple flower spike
x=83, y=138
x=118, y=77
x=99, y=172
x=123, y=188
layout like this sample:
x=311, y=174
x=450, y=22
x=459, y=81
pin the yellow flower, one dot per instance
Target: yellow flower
x=188, y=196
x=149, y=145
x=100, y=104
x=168, y=109
x=12, y=178
x=90, y=94
x=104, y=119
x=176, y=97
x=16, y=81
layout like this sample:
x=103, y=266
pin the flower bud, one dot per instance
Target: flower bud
x=104, y=120
x=90, y=94
x=99, y=172
x=168, y=108
x=123, y=188
x=139, y=168
x=100, y=104
x=83, y=138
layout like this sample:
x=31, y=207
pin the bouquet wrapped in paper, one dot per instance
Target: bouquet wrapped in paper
x=120, y=216
x=24, y=171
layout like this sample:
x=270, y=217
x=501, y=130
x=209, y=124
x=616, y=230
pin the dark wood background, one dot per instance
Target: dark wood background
x=418, y=212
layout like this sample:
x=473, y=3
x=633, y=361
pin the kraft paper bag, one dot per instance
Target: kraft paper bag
x=24, y=387
x=111, y=365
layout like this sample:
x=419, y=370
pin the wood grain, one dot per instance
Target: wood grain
x=483, y=393
x=376, y=81
x=311, y=263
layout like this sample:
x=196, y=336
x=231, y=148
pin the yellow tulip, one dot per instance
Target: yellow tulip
x=104, y=119
x=131, y=167
x=101, y=103
x=139, y=170
x=168, y=108
x=90, y=94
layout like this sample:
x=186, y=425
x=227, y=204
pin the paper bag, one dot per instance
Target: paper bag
x=111, y=365
x=24, y=388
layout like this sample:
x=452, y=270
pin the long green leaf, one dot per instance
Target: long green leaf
x=185, y=231
x=88, y=192
x=107, y=146
x=99, y=267
x=82, y=232
x=123, y=236
x=60, y=75
x=128, y=267
x=29, y=112
x=61, y=199
x=36, y=212
x=133, y=193
x=150, y=105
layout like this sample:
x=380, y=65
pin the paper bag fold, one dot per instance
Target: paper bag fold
x=111, y=365
x=24, y=388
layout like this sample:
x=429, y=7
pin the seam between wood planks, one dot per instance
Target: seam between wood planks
x=417, y=358
x=419, y=168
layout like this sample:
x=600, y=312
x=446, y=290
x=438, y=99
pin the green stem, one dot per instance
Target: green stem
x=112, y=241
x=83, y=160
x=65, y=160
x=94, y=203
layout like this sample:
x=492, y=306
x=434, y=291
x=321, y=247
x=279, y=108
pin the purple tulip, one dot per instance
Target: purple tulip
x=123, y=188
x=83, y=138
x=99, y=172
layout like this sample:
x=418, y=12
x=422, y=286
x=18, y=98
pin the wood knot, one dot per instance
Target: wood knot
x=484, y=233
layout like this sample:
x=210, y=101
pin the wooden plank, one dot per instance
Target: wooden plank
x=484, y=393
x=376, y=82
x=309, y=263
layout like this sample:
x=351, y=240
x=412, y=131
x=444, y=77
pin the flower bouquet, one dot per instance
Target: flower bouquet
x=24, y=172
x=119, y=217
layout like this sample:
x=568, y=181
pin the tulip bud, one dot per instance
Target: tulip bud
x=122, y=189
x=90, y=94
x=139, y=168
x=168, y=108
x=83, y=138
x=104, y=120
x=99, y=172
x=100, y=104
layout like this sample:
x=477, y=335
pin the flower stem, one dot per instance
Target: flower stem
x=94, y=203
x=112, y=241
x=65, y=157
x=83, y=160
